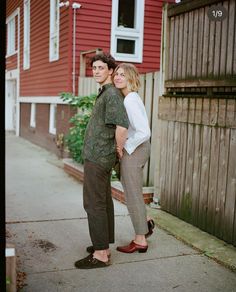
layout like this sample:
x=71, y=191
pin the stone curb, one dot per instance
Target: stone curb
x=209, y=245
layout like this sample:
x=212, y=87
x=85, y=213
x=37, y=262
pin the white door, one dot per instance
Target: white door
x=10, y=108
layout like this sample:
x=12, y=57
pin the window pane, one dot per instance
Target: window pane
x=54, y=40
x=56, y=12
x=33, y=115
x=11, y=36
x=125, y=46
x=54, y=30
x=126, y=13
x=55, y=117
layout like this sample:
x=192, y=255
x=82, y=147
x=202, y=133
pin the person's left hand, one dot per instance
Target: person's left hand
x=119, y=152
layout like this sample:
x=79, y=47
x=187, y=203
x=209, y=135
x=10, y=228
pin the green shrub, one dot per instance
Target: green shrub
x=8, y=281
x=74, y=139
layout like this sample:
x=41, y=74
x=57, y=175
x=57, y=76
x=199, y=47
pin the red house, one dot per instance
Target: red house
x=44, y=44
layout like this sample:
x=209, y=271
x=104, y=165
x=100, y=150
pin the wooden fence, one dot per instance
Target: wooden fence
x=197, y=164
x=201, y=52
x=196, y=180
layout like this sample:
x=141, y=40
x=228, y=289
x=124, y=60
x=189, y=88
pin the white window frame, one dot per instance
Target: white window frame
x=33, y=115
x=26, y=55
x=11, y=34
x=52, y=119
x=133, y=34
x=54, y=31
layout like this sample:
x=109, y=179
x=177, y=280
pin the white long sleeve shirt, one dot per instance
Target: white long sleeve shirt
x=139, y=130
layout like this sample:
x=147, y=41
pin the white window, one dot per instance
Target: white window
x=26, y=62
x=54, y=31
x=33, y=115
x=127, y=30
x=11, y=36
x=53, y=119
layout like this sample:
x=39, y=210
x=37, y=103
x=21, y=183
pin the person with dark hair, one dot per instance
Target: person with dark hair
x=134, y=155
x=106, y=130
x=105, y=58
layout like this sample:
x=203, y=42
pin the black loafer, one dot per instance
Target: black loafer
x=90, y=262
x=151, y=226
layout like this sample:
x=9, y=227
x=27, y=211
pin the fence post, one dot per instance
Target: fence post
x=10, y=267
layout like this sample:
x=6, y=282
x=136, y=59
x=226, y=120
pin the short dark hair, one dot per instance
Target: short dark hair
x=105, y=58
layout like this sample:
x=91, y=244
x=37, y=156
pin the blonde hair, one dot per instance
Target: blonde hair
x=131, y=75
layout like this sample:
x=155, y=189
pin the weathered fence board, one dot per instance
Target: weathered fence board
x=231, y=33
x=147, y=99
x=230, y=191
x=222, y=182
x=183, y=68
x=87, y=86
x=206, y=142
x=170, y=139
x=213, y=172
x=182, y=170
x=163, y=164
x=142, y=88
x=196, y=173
x=175, y=168
x=186, y=204
x=155, y=133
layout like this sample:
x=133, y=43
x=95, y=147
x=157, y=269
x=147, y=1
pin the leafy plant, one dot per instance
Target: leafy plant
x=75, y=138
x=8, y=281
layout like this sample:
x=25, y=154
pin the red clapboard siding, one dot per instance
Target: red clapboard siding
x=45, y=78
x=152, y=39
x=94, y=31
x=11, y=6
x=93, y=27
x=11, y=62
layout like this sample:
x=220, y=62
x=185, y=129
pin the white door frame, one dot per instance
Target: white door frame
x=15, y=75
x=10, y=109
x=11, y=77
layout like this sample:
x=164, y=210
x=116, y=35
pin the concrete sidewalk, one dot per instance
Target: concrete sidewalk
x=47, y=223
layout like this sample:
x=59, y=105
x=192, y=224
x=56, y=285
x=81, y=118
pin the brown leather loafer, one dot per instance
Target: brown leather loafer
x=90, y=262
x=132, y=247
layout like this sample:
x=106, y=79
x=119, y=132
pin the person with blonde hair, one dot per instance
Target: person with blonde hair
x=134, y=155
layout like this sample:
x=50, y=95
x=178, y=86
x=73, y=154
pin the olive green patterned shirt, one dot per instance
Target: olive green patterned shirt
x=99, y=142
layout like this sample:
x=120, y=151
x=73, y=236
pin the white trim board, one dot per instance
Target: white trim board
x=41, y=99
x=10, y=252
x=12, y=74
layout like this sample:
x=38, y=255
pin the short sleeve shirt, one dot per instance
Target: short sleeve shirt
x=108, y=112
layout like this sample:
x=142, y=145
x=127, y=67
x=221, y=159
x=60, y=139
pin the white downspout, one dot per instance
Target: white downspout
x=18, y=79
x=75, y=6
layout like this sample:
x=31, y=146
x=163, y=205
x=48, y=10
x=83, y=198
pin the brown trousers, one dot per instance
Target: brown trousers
x=98, y=204
x=132, y=181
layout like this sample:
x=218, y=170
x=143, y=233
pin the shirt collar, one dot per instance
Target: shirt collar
x=103, y=88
